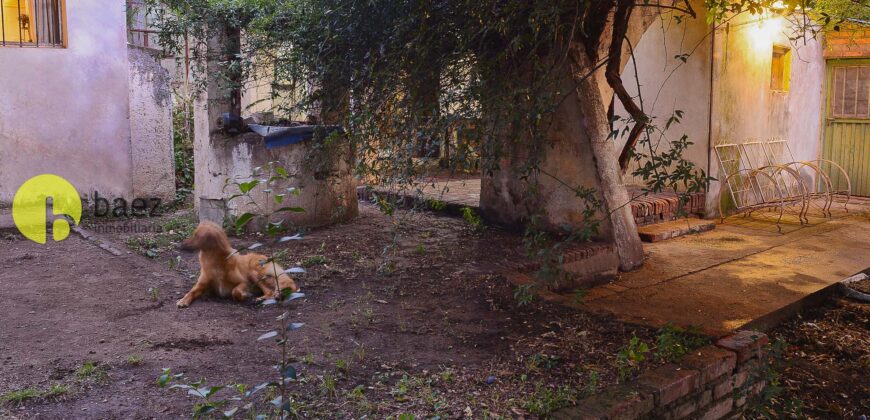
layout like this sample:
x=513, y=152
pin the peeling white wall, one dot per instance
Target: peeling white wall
x=745, y=107
x=65, y=110
x=68, y=110
x=668, y=83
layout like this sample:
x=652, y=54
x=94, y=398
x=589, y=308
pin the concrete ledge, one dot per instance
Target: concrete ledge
x=669, y=230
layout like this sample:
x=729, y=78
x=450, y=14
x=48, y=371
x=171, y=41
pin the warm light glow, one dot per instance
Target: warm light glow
x=765, y=32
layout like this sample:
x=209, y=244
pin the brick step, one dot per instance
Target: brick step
x=669, y=230
x=664, y=207
x=589, y=264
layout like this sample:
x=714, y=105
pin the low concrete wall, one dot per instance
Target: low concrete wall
x=326, y=196
x=712, y=382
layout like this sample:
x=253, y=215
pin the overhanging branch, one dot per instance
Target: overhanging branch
x=620, y=27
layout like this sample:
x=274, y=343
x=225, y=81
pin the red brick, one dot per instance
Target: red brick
x=718, y=410
x=669, y=382
x=723, y=388
x=747, y=344
x=615, y=402
x=711, y=361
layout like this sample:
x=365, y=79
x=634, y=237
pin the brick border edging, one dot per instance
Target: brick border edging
x=709, y=383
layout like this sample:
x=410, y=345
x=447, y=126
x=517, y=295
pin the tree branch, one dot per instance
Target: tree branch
x=620, y=28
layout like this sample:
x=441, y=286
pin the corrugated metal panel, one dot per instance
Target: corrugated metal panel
x=846, y=137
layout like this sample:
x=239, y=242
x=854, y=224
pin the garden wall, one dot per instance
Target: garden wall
x=712, y=382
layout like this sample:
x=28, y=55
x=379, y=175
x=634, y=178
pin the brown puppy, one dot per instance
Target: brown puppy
x=225, y=272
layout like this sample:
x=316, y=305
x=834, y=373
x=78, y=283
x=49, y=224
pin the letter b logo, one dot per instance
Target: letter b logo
x=29, y=207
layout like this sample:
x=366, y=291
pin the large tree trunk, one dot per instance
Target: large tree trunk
x=616, y=199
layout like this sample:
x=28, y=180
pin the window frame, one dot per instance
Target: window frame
x=62, y=21
x=783, y=54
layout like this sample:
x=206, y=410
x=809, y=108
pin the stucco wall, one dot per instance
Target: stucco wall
x=668, y=84
x=65, y=111
x=151, y=126
x=745, y=107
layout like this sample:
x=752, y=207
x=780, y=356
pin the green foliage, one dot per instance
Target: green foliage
x=313, y=260
x=545, y=400
x=135, y=360
x=629, y=358
x=20, y=396
x=471, y=217
x=436, y=205
x=91, y=371
x=673, y=342
x=524, y=294
x=182, y=139
x=772, y=403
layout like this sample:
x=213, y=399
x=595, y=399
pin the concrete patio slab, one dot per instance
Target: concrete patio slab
x=741, y=272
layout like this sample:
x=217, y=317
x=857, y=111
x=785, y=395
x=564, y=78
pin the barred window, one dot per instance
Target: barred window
x=850, y=96
x=32, y=23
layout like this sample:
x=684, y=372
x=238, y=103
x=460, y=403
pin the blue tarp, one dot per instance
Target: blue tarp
x=284, y=136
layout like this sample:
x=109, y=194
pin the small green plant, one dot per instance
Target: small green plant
x=20, y=396
x=154, y=293
x=543, y=361
x=629, y=358
x=545, y=400
x=91, y=371
x=134, y=360
x=420, y=249
x=673, y=342
x=56, y=391
x=327, y=386
x=472, y=218
x=313, y=260
x=524, y=294
x=593, y=381
x=343, y=366
x=435, y=204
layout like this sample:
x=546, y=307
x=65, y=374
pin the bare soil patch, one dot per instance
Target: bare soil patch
x=826, y=362
x=409, y=317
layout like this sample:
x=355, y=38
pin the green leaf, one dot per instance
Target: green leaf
x=291, y=209
x=246, y=187
x=243, y=220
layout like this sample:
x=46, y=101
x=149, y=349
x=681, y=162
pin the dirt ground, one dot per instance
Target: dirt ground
x=402, y=315
x=825, y=362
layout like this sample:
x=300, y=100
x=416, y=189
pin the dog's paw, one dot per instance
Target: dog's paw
x=181, y=304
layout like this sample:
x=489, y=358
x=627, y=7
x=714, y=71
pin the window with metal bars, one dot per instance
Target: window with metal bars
x=32, y=23
x=850, y=93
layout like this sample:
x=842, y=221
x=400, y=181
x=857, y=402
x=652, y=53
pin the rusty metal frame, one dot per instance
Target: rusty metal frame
x=748, y=180
x=826, y=177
